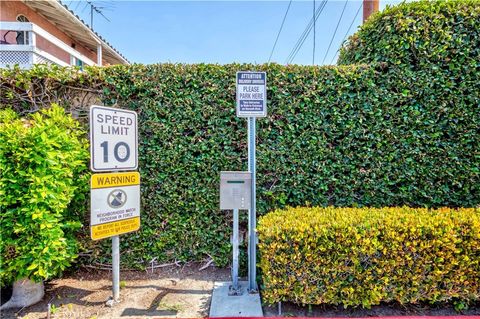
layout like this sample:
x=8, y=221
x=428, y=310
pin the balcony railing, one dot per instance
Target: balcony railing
x=18, y=45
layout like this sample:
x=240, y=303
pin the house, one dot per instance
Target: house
x=46, y=31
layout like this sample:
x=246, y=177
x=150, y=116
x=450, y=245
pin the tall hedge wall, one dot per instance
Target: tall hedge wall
x=342, y=136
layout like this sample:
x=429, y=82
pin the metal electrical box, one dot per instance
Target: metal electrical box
x=235, y=190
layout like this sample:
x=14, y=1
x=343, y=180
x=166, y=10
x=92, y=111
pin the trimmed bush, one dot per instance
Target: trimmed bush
x=364, y=256
x=43, y=160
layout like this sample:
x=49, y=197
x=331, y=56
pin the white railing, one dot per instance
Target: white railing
x=27, y=53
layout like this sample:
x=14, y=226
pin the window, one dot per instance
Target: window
x=22, y=18
x=22, y=36
x=79, y=63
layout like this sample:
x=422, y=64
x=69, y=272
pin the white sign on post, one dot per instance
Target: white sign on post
x=113, y=139
x=252, y=103
x=251, y=94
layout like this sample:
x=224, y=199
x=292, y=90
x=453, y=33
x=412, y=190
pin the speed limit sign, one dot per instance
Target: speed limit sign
x=113, y=139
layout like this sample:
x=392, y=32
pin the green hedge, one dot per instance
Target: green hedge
x=420, y=35
x=379, y=135
x=364, y=256
x=350, y=135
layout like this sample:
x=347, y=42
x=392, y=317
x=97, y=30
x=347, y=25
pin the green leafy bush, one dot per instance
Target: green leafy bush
x=364, y=256
x=420, y=35
x=42, y=163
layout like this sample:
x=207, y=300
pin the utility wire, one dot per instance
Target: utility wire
x=305, y=33
x=300, y=40
x=279, y=31
x=348, y=31
x=78, y=2
x=335, y=32
x=314, y=30
x=106, y=5
x=86, y=5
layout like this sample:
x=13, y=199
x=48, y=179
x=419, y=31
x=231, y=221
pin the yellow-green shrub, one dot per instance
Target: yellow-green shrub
x=43, y=172
x=364, y=256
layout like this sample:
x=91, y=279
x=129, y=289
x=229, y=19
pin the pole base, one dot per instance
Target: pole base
x=253, y=291
x=235, y=292
x=111, y=302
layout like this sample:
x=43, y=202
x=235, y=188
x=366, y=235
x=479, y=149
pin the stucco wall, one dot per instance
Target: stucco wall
x=10, y=10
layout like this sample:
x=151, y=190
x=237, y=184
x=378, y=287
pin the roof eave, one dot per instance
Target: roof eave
x=110, y=53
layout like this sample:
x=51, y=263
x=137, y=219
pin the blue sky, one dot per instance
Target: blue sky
x=221, y=31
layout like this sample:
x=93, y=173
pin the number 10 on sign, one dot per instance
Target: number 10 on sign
x=113, y=139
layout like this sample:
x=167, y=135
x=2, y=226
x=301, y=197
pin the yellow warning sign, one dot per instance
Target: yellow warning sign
x=116, y=228
x=115, y=179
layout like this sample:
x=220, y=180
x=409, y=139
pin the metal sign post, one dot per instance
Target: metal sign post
x=116, y=267
x=235, y=288
x=252, y=103
x=115, y=197
x=252, y=216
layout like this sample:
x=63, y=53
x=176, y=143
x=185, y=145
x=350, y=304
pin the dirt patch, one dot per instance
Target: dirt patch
x=176, y=292
x=166, y=292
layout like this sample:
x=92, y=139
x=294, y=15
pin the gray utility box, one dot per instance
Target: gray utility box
x=235, y=190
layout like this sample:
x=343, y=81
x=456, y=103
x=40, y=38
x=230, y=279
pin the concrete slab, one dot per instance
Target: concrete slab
x=223, y=305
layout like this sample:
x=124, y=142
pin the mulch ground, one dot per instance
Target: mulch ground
x=165, y=292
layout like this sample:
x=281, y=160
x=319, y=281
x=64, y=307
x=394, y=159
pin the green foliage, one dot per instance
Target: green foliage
x=364, y=256
x=42, y=165
x=342, y=136
x=420, y=35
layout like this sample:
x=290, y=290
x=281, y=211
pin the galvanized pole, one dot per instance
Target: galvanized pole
x=116, y=267
x=252, y=216
x=235, y=252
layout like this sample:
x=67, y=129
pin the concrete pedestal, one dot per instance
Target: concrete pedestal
x=223, y=305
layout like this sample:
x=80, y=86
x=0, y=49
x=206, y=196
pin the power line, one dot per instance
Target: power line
x=86, y=5
x=348, y=31
x=106, y=5
x=279, y=31
x=78, y=2
x=314, y=30
x=335, y=32
x=305, y=34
